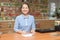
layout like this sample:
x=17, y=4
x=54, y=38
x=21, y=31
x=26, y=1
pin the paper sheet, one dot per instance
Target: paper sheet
x=27, y=35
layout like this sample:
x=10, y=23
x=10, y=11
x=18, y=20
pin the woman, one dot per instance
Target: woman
x=24, y=23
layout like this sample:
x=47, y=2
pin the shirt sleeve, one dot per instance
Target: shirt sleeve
x=16, y=24
x=33, y=24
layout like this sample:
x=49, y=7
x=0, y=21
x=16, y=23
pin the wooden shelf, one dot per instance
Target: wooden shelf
x=6, y=20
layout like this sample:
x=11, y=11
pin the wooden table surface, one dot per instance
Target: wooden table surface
x=37, y=36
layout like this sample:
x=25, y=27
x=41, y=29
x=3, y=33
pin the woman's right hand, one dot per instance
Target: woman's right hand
x=21, y=32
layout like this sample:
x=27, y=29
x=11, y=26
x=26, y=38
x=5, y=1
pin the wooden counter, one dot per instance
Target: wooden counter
x=37, y=36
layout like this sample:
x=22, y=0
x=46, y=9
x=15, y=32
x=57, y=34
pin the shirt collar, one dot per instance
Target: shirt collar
x=25, y=17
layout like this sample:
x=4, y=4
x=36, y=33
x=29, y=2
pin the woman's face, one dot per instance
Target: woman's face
x=25, y=9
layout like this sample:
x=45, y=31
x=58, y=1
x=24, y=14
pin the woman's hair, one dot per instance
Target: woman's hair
x=23, y=4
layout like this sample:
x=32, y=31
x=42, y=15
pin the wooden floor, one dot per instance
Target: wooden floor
x=37, y=36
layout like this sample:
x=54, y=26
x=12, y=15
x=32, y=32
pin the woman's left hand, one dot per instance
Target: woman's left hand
x=32, y=31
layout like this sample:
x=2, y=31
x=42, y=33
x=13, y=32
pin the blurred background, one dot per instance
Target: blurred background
x=46, y=13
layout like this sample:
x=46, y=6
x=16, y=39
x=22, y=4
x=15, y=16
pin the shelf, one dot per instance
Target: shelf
x=42, y=19
x=12, y=11
x=6, y=20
